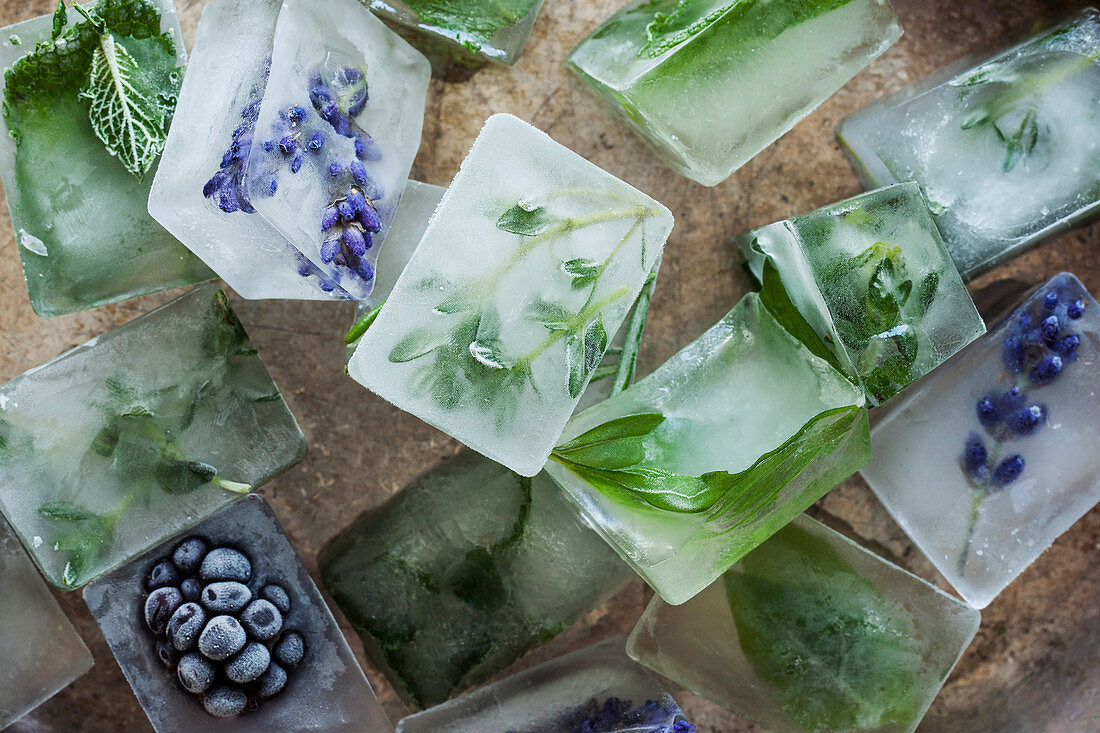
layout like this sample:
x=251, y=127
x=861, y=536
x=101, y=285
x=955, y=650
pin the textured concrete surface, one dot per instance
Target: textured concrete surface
x=1033, y=665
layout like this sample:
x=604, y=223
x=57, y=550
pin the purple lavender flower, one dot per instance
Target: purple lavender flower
x=618, y=714
x=226, y=187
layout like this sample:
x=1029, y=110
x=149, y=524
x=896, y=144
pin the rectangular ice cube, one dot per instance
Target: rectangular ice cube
x=694, y=466
x=531, y=262
x=132, y=436
x=462, y=572
x=80, y=219
x=325, y=691
x=872, y=277
x=711, y=83
x=40, y=649
x=811, y=632
x=1005, y=149
x=597, y=688
x=981, y=463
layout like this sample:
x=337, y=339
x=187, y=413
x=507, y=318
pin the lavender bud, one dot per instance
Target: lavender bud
x=1026, y=421
x=1047, y=370
x=353, y=238
x=975, y=457
x=1076, y=309
x=329, y=249
x=1008, y=470
x=329, y=218
x=1050, y=302
x=988, y=415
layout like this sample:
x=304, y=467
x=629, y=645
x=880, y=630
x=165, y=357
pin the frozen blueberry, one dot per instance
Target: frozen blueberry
x=159, y=607
x=222, y=638
x=226, y=597
x=162, y=575
x=185, y=626
x=272, y=682
x=196, y=673
x=278, y=596
x=225, y=702
x=166, y=653
x=250, y=663
x=262, y=620
x=290, y=649
x=191, y=589
x=188, y=556
x=224, y=563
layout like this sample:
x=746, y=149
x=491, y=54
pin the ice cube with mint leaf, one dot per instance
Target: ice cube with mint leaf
x=1004, y=149
x=143, y=431
x=873, y=279
x=811, y=632
x=88, y=94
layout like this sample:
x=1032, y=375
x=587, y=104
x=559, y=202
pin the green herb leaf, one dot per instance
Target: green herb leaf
x=583, y=271
x=926, y=292
x=551, y=315
x=60, y=20
x=490, y=353
x=774, y=297
x=362, y=325
x=632, y=343
x=527, y=220
x=416, y=344
x=615, y=444
x=66, y=511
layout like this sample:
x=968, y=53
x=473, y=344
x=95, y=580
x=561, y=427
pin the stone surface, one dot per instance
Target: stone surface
x=1032, y=667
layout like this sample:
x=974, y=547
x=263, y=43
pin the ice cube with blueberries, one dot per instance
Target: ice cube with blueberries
x=222, y=628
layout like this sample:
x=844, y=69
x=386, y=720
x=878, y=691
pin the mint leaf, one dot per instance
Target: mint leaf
x=527, y=220
x=926, y=292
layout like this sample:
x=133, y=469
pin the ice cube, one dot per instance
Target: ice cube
x=85, y=237
x=1013, y=128
x=597, y=688
x=326, y=691
x=710, y=83
x=811, y=632
x=463, y=571
x=872, y=277
x=125, y=440
x=981, y=462
x=694, y=466
x=530, y=264
x=40, y=649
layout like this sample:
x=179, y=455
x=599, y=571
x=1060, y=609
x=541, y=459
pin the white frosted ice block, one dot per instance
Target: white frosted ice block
x=981, y=462
x=811, y=632
x=529, y=265
x=1006, y=150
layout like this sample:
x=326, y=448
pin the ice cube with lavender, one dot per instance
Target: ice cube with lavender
x=40, y=649
x=871, y=277
x=711, y=83
x=532, y=260
x=811, y=632
x=597, y=688
x=76, y=182
x=1006, y=150
x=688, y=470
x=141, y=432
x=222, y=628
x=980, y=463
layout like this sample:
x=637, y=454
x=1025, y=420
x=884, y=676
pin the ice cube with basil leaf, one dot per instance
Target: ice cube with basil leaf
x=88, y=94
x=811, y=632
x=873, y=279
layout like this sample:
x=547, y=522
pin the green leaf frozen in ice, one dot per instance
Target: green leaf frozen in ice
x=473, y=22
x=527, y=220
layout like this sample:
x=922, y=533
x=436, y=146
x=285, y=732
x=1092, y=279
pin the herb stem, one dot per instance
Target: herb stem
x=575, y=324
x=975, y=514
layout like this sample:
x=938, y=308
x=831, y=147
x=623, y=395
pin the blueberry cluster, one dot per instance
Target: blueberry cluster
x=618, y=714
x=224, y=642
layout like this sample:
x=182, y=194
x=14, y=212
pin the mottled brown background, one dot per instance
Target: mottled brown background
x=1034, y=665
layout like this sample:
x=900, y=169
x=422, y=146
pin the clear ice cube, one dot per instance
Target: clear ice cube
x=981, y=463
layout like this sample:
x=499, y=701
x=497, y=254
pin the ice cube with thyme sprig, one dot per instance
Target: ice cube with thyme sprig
x=115, y=445
x=1002, y=425
x=533, y=258
x=1016, y=127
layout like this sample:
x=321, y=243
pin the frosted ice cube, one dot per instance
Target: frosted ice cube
x=710, y=83
x=531, y=262
x=1006, y=150
x=597, y=688
x=694, y=466
x=873, y=279
x=85, y=237
x=811, y=632
x=463, y=571
x=984, y=478
x=120, y=442
x=325, y=692
x=40, y=649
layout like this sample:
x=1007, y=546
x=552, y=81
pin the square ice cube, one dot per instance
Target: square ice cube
x=1014, y=128
x=137, y=434
x=40, y=649
x=597, y=688
x=692, y=467
x=80, y=219
x=462, y=572
x=326, y=691
x=530, y=264
x=981, y=462
x=811, y=632
x=872, y=277
x=711, y=83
